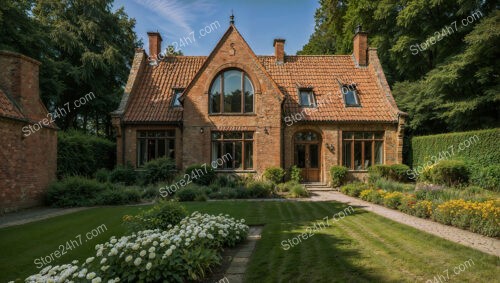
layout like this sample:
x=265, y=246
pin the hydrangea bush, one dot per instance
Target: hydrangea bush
x=185, y=252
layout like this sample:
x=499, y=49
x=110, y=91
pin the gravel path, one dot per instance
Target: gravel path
x=466, y=238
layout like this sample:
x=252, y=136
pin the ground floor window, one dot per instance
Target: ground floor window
x=361, y=150
x=234, y=148
x=155, y=144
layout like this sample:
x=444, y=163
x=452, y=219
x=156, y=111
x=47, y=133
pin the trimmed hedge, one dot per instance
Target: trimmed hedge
x=482, y=151
x=201, y=174
x=81, y=154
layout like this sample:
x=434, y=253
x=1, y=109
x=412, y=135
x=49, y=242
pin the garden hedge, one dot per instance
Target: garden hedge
x=81, y=154
x=483, y=150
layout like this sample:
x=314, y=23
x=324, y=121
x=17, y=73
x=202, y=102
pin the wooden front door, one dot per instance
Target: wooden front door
x=307, y=155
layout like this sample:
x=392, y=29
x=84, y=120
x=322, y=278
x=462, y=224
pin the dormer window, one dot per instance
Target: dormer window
x=350, y=93
x=306, y=97
x=175, y=98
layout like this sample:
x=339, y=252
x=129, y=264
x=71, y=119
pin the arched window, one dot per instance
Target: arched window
x=231, y=92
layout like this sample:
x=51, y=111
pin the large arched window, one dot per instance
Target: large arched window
x=231, y=92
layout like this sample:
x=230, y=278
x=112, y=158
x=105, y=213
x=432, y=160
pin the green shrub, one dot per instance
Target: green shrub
x=102, y=175
x=118, y=196
x=338, y=175
x=225, y=181
x=354, y=189
x=391, y=186
x=160, y=216
x=450, y=173
x=295, y=174
x=298, y=191
x=201, y=174
x=123, y=174
x=224, y=193
x=487, y=177
x=74, y=191
x=480, y=148
x=259, y=189
x=158, y=170
x=286, y=187
x=186, y=194
x=81, y=154
x=378, y=171
x=399, y=172
x=274, y=174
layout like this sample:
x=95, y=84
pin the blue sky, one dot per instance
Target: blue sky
x=259, y=21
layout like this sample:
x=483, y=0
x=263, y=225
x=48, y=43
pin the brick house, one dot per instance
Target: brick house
x=28, y=161
x=280, y=110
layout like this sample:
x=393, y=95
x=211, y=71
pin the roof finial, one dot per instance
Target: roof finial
x=231, y=17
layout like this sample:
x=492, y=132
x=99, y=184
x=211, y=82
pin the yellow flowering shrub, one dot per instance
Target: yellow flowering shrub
x=392, y=199
x=423, y=209
x=480, y=217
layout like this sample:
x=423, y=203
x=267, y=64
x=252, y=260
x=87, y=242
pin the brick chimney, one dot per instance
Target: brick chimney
x=19, y=79
x=279, y=50
x=154, y=44
x=360, y=50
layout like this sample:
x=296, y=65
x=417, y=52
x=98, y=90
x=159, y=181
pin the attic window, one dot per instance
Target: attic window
x=350, y=94
x=175, y=98
x=307, y=98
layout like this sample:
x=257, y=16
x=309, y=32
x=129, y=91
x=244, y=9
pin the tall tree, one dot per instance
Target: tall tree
x=84, y=47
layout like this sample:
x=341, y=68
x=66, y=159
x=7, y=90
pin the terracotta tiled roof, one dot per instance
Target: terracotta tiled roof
x=8, y=109
x=323, y=73
x=151, y=99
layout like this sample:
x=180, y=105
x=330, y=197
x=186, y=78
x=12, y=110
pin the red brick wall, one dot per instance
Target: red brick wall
x=27, y=163
x=332, y=134
x=233, y=53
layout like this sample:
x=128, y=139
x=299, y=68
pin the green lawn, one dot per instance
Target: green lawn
x=362, y=247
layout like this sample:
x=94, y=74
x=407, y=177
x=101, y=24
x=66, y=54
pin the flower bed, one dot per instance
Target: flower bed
x=481, y=217
x=184, y=252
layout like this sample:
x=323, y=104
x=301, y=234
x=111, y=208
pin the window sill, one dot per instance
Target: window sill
x=234, y=171
x=232, y=114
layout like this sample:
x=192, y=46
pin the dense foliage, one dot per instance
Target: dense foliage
x=158, y=170
x=81, y=154
x=160, y=216
x=451, y=85
x=338, y=175
x=79, y=191
x=478, y=148
x=274, y=174
x=201, y=174
x=84, y=46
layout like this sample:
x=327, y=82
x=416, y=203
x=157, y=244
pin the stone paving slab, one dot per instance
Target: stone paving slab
x=236, y=271
x=476, y=241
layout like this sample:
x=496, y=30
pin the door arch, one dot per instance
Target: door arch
x=307, y=155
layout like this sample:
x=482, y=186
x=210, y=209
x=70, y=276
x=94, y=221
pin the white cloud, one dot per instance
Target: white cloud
x=179, y=12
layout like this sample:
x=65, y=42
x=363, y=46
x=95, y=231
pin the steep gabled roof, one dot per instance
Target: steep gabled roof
x=151, y=96
x=323, y=73
x=8, y=108
x=151, y=100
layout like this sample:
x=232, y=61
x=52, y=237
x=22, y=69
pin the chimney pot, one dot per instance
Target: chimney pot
x=154, y=44
x=279, y=50
x=360, y=50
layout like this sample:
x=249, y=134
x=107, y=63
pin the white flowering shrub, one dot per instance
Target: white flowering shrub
x=184, y=252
